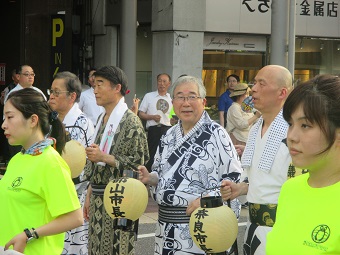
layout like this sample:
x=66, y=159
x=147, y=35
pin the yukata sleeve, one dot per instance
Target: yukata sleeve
x=155, y=170
x=89, y=131
x=229, y=167
x=132, y=148
x=86, y=124
x=88, y=170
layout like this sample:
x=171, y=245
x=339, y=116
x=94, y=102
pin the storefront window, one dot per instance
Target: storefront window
x=218, y=65
x=315, y=56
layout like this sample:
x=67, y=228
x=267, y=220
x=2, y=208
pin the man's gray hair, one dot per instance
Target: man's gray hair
x=72, y=83
x=189, y=79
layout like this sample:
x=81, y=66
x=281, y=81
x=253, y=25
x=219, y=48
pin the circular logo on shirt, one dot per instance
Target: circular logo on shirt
x=321, y=233
x=17, y=182
x=162, y=105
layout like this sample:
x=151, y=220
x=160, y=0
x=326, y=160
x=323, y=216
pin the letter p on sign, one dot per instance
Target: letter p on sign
x=57, y=33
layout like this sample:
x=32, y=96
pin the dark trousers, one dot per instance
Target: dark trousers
x=154, y=136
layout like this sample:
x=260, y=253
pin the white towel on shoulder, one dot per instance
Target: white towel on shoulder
x=277, y=134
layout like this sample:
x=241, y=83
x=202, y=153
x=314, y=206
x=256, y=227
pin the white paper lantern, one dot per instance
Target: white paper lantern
x=75, y=156
x=214, y=229
x=125, y=198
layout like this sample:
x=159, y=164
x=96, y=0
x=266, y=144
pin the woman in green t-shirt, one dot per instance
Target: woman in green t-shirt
x=38, y=199
x=307, y=219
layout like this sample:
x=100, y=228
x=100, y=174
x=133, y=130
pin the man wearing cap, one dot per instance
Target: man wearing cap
x=239, y=122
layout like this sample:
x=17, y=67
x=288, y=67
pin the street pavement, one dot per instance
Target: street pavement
x=146, y=231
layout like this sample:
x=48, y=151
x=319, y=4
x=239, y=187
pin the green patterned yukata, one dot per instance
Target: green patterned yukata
x=129, y=147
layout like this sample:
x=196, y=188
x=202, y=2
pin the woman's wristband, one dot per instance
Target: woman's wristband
x=35, y=233
x=31, y=234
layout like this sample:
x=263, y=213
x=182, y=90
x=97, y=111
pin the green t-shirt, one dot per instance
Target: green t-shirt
x=307, y=220
x=172, y=112
x=34, y=191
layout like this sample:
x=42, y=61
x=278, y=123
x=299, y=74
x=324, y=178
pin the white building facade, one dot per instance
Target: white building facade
x=214, y=38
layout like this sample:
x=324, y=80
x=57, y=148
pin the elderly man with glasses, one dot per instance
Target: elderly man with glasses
x=25, y=76
x=193, y=156
x=64, y=97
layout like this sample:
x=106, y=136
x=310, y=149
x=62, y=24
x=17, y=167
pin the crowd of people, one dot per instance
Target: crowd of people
x=292, y=132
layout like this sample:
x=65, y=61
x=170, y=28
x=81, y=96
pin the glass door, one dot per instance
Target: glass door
x=218, y=65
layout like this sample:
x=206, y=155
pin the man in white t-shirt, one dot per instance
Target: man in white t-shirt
x=25, y=76
x=87, y=103
x=155, y=109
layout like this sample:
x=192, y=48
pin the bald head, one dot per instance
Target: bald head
x=278, y=75
x=272, y=85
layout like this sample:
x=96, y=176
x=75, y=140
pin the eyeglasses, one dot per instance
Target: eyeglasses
x=28, y=74
x=56, y=93
x=189, y=98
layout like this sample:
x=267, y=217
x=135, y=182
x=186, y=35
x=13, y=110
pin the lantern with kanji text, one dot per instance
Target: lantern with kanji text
x=125, y=199
x=213, y=226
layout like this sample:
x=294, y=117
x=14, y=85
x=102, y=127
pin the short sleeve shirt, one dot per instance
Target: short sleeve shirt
x=224, y=102
x=307, y=220
x=153, y=103
x=34, y=191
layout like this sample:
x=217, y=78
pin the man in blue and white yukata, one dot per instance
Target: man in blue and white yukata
x=194, y=155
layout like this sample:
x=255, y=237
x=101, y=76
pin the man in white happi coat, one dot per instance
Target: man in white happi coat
x=265, y=159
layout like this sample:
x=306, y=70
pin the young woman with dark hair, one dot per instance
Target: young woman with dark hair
x=38, y=199
x=307, y=219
